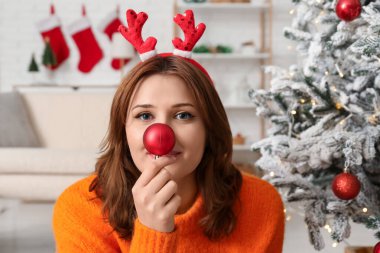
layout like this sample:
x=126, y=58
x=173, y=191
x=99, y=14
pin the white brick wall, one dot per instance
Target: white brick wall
x=19, y=37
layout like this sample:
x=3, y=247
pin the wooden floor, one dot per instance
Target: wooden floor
x=26, y=228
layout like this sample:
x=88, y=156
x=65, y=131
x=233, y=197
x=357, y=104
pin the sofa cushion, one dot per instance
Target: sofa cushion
x=47, y=161
x=16, y=128
x=35, y=187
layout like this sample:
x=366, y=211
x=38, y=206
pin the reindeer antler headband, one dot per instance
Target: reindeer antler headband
x=147, y=48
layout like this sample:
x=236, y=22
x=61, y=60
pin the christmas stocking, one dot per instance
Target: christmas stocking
x=50, y=29
x=109, y=26
x=89, y=49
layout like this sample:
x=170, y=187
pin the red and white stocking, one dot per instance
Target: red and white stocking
x=109, y=26
x=88, y=46
x=50, y=28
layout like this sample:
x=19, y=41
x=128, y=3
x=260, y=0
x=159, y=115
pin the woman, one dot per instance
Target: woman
x=191, y=200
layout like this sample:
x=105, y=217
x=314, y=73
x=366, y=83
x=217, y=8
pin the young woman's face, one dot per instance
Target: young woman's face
x=166, y=99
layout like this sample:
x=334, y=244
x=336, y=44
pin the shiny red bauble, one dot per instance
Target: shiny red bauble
x=159, y=139
x=348, y=10
x=346, y=186
x=376, y=249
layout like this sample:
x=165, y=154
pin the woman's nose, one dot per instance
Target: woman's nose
x=163, y=119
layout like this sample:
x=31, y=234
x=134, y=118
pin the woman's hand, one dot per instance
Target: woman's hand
x=154, y=194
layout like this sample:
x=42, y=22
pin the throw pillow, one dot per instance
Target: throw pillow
x=16, y=128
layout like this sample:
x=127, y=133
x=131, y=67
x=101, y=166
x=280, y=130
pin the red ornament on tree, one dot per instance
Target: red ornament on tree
x=376, y=249
x=346, y=186
x=159, y=139
x=348, y=10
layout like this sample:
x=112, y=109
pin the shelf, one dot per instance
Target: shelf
x=64, y=86
x=244, y=147
x=230, y=6
x=229, y=56
x=240, y=107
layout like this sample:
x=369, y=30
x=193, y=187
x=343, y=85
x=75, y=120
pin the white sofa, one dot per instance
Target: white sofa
x=70, y=126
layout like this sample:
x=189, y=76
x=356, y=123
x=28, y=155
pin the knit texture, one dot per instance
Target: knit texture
x=79, y=226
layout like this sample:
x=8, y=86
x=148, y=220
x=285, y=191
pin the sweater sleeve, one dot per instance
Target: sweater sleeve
x=148, y=240
x=78, y=224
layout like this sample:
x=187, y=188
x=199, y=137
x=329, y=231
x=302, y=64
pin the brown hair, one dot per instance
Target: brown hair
x=218, y=179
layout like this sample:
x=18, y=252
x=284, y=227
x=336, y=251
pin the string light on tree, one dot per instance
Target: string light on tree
x=348, y=10
x=339, y=71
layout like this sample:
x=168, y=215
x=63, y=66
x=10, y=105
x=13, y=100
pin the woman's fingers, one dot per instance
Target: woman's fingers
x=167, y=192
x=150, y=172
x=172, y=205
x=157, y=182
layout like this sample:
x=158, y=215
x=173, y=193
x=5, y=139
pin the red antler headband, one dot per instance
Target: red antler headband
x=147, y=48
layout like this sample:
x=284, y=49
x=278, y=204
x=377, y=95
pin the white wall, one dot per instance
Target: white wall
x=19, y=37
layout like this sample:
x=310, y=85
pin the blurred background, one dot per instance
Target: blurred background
x=60, y=62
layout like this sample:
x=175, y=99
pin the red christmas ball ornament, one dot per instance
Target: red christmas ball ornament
x=159, y=139
x=376, y=249
x=346, y=186
x=348, y=10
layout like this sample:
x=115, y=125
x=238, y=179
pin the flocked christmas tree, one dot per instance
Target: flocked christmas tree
x=323, y=145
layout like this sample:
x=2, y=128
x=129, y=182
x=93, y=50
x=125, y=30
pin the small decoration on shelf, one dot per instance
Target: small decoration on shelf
x=48, y=57
x=33, y=67
x=201, y=49
x=224, y=49
x=348, y=10
x=248, y=48
x=238, y=139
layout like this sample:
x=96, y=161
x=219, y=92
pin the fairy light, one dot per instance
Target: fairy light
x=342, y=122
x=335, y=244
x=373, y=119
x=291, y=74
x=288, y=218
x=284, y=210
x=334, y=88
x=291, y=12
x=338, y=106
x=326, y=73
x=302, y=101
x=328, y=228
x=313, y=102
x=293, y=112
x=339, y=71
x=271, y=174
x=365, y=210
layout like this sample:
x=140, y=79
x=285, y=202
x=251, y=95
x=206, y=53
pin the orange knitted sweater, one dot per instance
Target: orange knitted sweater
x=79, y=226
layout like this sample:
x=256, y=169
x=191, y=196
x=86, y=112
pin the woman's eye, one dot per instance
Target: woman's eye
x=184, y=115
x=144, y=116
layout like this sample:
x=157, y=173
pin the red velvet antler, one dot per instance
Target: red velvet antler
x=192, y=33
x=135, y=22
